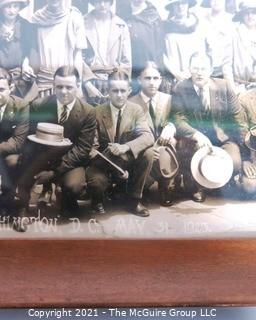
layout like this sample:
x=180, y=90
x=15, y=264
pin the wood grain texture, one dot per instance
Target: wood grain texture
x=71, y=273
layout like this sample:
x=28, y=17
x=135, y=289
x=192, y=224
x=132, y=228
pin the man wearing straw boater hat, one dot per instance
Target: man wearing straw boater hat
x=51, y=157
x=207, y=113
x=14, y=126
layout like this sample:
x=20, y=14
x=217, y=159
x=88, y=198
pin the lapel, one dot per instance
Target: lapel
x=215, y=100
x=9, y=112
x=108, y=122
x=91, y=32
x=143, y=104
x=116, y=30
x=70, y=125
x=160, y=109
x=49, y=111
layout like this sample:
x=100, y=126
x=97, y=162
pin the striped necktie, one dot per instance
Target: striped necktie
x=64, y=115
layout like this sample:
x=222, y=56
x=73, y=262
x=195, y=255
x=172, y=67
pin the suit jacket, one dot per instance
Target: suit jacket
x=14, y=126
x=134, y=130
x=79, y=128
x=119, y=44
x=162, y=112
x=226, y=120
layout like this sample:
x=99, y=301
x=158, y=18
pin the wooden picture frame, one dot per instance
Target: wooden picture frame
x=101, y=273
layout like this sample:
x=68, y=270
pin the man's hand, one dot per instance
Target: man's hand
x=93, y=153
x=202, y=140
x=167, y=135
x=44, y=177
x=156, y=153
x=118, y=149
x=249, y=169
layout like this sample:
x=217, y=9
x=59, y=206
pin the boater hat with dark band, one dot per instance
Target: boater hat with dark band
x=212, y=167
x=50, y=134
x=5, y=2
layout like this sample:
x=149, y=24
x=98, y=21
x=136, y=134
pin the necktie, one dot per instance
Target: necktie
x=64, y=115
x=203, y=97
x=119, y=117
x=152, y=114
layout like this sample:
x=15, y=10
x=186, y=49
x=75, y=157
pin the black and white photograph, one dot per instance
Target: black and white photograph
x=127, y=119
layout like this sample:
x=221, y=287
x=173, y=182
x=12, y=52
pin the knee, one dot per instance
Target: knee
x=97, y=182
x=248, y=185
x=148, y=155
x=73, y=188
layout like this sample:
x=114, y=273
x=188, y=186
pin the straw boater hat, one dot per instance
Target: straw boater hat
x=169, y=6
x=212, y=168
x=250, y=139
x=50, y=134
x=5, y=2
x=244, y=7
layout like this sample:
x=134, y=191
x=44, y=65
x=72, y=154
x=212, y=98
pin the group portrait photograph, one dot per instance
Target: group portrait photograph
x=127, y=118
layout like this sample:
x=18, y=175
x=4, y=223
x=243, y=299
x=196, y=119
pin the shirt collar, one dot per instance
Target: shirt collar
x=115, y=110
x=205, y=87
x=146, y=99
x=69, y=106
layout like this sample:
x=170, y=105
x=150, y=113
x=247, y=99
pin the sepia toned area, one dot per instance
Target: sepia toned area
x=127, y=119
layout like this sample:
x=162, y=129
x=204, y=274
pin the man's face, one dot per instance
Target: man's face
x=150, y=81
x=218, y=5
x=119, y=91
x=200, y=69
x=10, y=11
x=180, y=9
x=249, y=18
x=65, y=89
x=5, y=92
x=102, y=7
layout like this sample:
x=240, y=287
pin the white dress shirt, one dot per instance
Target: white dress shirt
x=61, y=108
x=114, y=114
x=2, y=110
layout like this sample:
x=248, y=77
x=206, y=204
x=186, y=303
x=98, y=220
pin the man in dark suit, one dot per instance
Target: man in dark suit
x=14, y=126
x=207, y=112
x=124, y=135
x=42, y=164
x=157, y=106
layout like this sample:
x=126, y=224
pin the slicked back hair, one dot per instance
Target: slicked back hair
x=67, y=71
x=4, y=75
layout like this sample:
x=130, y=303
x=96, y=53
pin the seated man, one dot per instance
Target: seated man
x=14, y=126
x=42, y=165
x=157, y=106
x=248, y=177
x=124, y=135
x=207, y=112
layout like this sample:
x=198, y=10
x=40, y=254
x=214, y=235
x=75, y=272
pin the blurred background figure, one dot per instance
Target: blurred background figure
x=219, y=34
x=241, y=70
x=15, y=45
x=109, y=47
x=185, y=34
x=146, y=30
x=59, y=41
